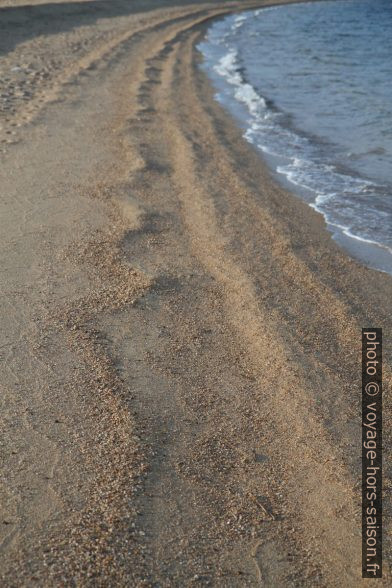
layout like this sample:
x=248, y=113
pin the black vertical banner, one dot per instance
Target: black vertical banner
x=371, y=453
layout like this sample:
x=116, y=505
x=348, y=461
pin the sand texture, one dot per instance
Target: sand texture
x=180, y=337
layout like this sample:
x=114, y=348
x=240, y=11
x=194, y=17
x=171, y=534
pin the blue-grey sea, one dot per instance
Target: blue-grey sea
x=311, y=85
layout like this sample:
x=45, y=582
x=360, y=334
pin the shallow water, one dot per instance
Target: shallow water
x=312, y=86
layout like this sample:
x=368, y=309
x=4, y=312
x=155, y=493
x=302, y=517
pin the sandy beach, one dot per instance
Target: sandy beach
x=180, y=336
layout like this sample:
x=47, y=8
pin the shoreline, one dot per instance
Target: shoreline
x=181, y=335
x=222, y=68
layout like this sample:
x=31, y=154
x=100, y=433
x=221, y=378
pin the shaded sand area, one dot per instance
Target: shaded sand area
x=180, y=337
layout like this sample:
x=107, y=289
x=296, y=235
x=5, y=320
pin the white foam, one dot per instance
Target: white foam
x=227, y=68
x=267, y=149
x=348, y=233
x=238, y=22
x=304, y=167
x=246, y=94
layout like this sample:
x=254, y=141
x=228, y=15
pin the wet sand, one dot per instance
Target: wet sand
x=180, y=336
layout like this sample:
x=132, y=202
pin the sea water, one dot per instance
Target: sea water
x=311, y=85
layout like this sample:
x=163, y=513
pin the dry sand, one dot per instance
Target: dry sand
x=180, y=337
